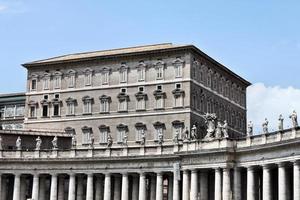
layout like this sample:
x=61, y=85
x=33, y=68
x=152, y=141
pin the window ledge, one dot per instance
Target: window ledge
x=140, y=110
x=56, y=116
x=159, y=108
x=122, y=111
x=32, y=117
x=119, y=142
x=45, y=117
x=86, y=113
x=103, y=143
x=178, y=107
x=104, y=112
x=71, y=115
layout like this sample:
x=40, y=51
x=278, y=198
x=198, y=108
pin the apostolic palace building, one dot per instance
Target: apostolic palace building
x=156, y=122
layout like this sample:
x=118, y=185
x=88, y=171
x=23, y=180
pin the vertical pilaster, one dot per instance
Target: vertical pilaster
x=117, y=188
x=296, y=180
x=226, y=184
x=185, y=185
x=175, y=188
x=267, y=183
x=142, y=188
x=107, y=187
x=125, y=187
x=17, y=184
x=35, y=187
x=72, y=187
x=90, y=187
x=53, y=187
x=237, y=184
x=282, y=183
x=218, y=184
x=203, y=185
x=250, y=183
x=159, y=186
x=194, y=185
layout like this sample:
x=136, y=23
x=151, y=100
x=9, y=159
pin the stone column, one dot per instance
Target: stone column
x=296, y=180
x=135, y=188
x=175, y=188
x=237, y=184
x=203, y=185
x=107, y=187
x=35, y=187
x=79, y=195
x=90, y=187
x=153, y=188
x=42, y=193
x=53, y=187
x=250, y=183
x=226, y=184
x=142, y=188
x=282, y=187
x=125, y=186
x=99, y=188
x=194, y=185
x=267, y=195
x=61, y=188
x=159, y=186
x=117, y=188
x=72, y=187
x=170, y=188
x=185, y=185
x=17, y=184
x=218, y=184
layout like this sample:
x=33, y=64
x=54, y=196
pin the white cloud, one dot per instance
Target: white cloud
x=270, y=102
x=2, y=8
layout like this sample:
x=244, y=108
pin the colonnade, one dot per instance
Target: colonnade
x=259, y=182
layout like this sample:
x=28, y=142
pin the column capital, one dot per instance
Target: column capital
x=159, y=173
x=251, y=168
x=296, y=162
x=225, y=169
x=194, y=171
x=266, y=166
x=281, y=164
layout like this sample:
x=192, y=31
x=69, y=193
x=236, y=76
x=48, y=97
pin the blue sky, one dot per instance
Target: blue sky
x=259, y=40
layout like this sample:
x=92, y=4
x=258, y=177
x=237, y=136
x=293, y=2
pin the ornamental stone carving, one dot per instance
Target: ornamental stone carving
x=54, y=142
x=250, y=129
x=194, y=133
x=280, y=123
x=265, y=126
x=74, y=141
x=1, y=147
x=210, y=120
x=38, y=143
x=19, y=143
x=225, y=129
x=293, y=116
x=109, y=140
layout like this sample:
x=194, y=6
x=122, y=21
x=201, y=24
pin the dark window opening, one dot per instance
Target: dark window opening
x=56, y=96
x=33, y=84
x=45, y=111
x=56, y=110
x=46, y=97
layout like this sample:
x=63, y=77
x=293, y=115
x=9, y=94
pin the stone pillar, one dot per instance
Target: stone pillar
x=117, y=188
x=267, y=195
x=35, y=187
x=175, y=188
x=61, y=188
x=107, y=187
x=159, y=186
x=17, y=185
x=79, y=195
x=135, y=188
x=194, y=185
x=170, y=188
x=125, y=186
x=237, y=184
x=142, y=188
x=226, y=184
x=90, y=187
x=99, y=189
x=250, y=183
x=153, y=188
x=42, y=193
x=185, y=185
x=53, y=187
x=218, y=184
x=296, y=180
x=203, y=185
x=282, y=183
x=72, y=187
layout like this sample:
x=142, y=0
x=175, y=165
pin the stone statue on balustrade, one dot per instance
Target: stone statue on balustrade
x=143, y=137
x=91, y=141
x=125, y=140
x=74, y=141
x=176, y=137
x=225, y=129
x=265, y=126
x=38, y=143
x=194, y=132
x=186, y=135
x=218, y=133
x=109, y=140
x=54, y=142
x=210, y=120
x=160, y=138
x=19, y=143
x=1, y=147
x=280, y=123
x=250, y=129
x=293, y=116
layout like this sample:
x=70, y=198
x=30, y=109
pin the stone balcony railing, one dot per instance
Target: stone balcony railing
x=169, y=148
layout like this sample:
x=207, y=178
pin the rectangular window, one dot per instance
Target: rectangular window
x=177, y=86
x=159, y=103
x=122, y=105
x=139, y=133
x=141, y=89
x=120, y=136
x=123, y=90
x=177, y=130
x=57, y=82
x=159, y=131
x=86, y=136
x=105, y=78
x=56, y=110
x=71, y=81
x=45, y=111
x=140, y=104
x=123, y=76
x=32, y=111
x=70, y=108
x=88, y=79
x=33, y=84
x=103, y=136
x=141, y=74
x=46, y=83
x=159, y=87
x=159, y=73
x=104, y=106
x=178, y=101
x=178, y=71
x=87, y=107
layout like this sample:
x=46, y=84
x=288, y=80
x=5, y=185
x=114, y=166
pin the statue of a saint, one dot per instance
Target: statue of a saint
x=194, y=132
x=219, y=130
x=186, y=134
x=19, y=143
x=38, y=143
x=143, y=137
x=250, y=129
x=293, y=116
x=1, y=147
x=280, y=123
x=160, y=137
x=176, y=137
x=109, y=140
x=225, y=129
x=210, y=120
x=265, y=126
x=91, y=141
x=125, y=139
x=74, y=141
x=54, y=142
